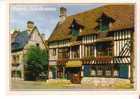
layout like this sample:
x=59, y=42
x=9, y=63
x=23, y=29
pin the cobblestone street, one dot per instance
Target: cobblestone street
x=86, y=83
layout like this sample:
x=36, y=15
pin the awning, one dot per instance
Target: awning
x=74, y=63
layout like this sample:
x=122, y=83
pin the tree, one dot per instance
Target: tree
x=36, y=61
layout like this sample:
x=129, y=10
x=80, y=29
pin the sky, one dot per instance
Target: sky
x=45, y=16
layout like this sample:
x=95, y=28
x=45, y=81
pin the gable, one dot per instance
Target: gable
x=35, y=36
x=35, y=39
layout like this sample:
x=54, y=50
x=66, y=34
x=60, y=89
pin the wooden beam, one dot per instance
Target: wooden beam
x=132, y=58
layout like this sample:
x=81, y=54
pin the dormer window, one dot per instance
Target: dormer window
x=76, y=28
x=103, y=26
x=104, y=22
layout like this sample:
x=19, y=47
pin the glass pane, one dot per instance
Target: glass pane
x=99, y=72
x=116, y=73
x=93, y=73
x=108, y=72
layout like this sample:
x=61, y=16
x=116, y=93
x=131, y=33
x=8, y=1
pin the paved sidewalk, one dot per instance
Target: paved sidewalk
x=86, y=83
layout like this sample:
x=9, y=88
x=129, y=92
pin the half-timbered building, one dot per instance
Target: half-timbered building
x=20, y=43
x=94, y=43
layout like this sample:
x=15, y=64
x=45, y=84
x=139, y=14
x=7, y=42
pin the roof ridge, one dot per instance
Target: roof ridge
x=96, y=9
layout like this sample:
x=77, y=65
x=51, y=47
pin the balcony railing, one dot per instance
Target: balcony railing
x=100, y=59
x=104, y=58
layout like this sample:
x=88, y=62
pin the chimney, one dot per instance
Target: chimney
x=30, y=26
x=63, y=14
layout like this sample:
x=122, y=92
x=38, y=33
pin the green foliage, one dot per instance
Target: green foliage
x=36, y=61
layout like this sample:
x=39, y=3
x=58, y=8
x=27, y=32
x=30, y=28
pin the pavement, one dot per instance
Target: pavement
x=86, y=83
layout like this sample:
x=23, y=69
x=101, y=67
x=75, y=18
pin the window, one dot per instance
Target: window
x=108, y=72
x=76, y=28
x=116, y=73
x=63, y=53
x=104, y=49
x=15, y=60
x=104, y=22
x=18, y=73
x=104, y=26
x=75, y=32
x=37, y=44
x=93, y=72
x=75, y=52
x=54, y=52
x=89, y=50
x=99, y=72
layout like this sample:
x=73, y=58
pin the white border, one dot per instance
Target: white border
x=4, y=35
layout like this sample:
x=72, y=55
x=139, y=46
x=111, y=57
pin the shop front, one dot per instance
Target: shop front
x=100, y=70
x=73, y=71
x=123, y=70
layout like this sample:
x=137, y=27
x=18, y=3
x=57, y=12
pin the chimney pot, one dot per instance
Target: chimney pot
x=63, y=14
x=30, y=26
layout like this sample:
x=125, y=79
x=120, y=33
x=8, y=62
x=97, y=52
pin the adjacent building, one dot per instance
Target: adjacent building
x=94, y=43
x=20, y=42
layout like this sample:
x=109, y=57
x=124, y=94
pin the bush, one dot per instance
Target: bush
x=36, y=61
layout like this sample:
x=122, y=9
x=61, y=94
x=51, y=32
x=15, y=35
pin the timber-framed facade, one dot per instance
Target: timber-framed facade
x=95, y=43
x=20, y=44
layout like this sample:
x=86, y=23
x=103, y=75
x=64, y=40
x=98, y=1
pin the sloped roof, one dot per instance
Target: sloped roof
x=123, y=15
x=20, y=41
x=13, y=36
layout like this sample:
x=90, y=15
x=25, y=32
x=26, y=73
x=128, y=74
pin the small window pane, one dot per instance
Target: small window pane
x=93, y=73
x=116, y=73
x=108, y=72
x=99, y=72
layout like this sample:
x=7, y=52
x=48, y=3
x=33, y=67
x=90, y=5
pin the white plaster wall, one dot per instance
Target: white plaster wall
x=35, y=38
